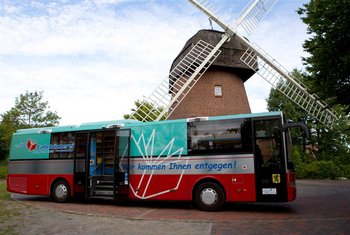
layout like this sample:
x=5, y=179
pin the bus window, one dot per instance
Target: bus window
x=221, y=136
x=62, y=145
x=268, y=143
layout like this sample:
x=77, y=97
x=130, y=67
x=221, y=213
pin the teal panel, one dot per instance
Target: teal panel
x=159, y=138
x=30, y=146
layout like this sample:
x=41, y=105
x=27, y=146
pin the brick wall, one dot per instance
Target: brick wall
x=201, y=100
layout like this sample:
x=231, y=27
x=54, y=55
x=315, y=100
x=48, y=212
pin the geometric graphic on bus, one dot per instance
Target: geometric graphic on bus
x=147, y=183
x=31, y=145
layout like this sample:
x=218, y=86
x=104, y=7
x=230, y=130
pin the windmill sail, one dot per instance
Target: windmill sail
x=275, y=74
x=253, y=14
x=295, y=90
x=249, y=18
x=168, y=95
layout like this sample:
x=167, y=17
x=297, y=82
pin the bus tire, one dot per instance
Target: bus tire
x=209, y=196
x=60, y=191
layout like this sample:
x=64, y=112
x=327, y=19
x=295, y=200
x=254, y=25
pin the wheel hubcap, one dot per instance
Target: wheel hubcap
x=61, y=191
x=209, y=196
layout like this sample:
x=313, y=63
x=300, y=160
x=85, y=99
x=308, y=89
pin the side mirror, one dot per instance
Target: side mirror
x=304, y=127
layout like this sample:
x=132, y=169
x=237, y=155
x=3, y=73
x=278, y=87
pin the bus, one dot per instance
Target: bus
x=207, y=160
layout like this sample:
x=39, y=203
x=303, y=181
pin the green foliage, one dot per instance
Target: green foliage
x=308, y=167
x=328, y=149
x=319, y=170
x=3, y=142
x=3, y=169
x=4, y=195
x=145, y=111
x=29, y=111
x=328, y=45
x=345, y=170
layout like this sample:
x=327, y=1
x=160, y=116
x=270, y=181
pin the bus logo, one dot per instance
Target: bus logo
x=31, y=145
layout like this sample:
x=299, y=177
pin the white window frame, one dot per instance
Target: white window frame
x=218, y=90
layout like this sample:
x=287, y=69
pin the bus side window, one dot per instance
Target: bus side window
x=62, y=145
x=219, y=136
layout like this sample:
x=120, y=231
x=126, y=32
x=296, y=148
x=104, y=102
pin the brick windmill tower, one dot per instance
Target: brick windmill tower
x=220, y=90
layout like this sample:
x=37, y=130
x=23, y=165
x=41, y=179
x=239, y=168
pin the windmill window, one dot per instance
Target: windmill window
x=217, y=90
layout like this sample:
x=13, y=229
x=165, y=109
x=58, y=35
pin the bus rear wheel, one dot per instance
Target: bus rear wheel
x=61, y=191
x=209, y=196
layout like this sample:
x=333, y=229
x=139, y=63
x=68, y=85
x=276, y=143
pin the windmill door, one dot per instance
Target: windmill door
x=269, y=161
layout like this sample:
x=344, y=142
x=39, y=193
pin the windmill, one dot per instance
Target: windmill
x=221, y=90
x=189, y=70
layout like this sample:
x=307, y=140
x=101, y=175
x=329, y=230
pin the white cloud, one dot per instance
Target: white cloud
x=110, y=1
x=111, y=56
x=92, y=59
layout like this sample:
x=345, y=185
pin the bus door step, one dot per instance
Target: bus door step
x=102, y=197
x=101, y=182
x=104, y=186
x=103, y=193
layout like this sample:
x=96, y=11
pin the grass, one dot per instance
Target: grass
x=4, y=195
x=8, y=213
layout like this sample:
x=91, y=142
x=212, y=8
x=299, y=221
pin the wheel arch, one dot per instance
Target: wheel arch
x=205, y=180
x=56, y=179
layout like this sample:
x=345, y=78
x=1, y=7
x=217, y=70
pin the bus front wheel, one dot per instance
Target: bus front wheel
x=61, y=191
x=209, y=196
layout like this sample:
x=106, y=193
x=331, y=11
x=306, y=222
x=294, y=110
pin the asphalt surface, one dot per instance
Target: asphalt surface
x=322, y=207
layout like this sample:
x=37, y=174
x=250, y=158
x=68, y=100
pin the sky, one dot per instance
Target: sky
x=94, y=58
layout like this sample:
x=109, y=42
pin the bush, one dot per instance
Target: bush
x=346, y=171
x=3, y=169
x=301, y=170
x=4, y=195
x=319, y=170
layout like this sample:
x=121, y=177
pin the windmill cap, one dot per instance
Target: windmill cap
x=229, y=58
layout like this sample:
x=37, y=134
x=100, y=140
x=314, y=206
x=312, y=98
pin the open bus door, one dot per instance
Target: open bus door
x=269, y=161
x=80, y=155
x=106, y=165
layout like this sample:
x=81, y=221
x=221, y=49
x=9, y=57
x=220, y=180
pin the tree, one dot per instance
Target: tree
x=143, y=110
x=29, y=111
x=329, y=48
x=330, y=147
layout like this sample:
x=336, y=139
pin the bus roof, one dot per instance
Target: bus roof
x=131, y=123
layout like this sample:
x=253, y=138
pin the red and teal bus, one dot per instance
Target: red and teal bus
x=208, y=160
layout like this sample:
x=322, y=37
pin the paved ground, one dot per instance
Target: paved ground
x=322, y=207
